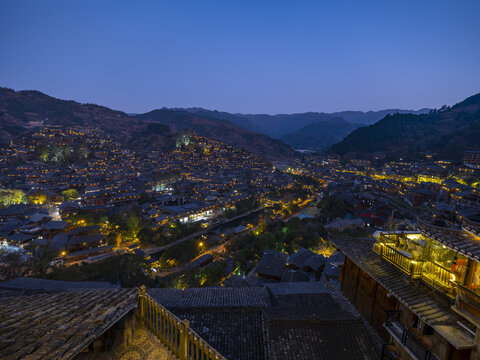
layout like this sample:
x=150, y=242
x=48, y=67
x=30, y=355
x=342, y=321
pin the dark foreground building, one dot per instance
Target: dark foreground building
x=279, y=321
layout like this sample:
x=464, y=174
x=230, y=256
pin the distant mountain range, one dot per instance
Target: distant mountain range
x=311, y=130
x=223, y=130
x=21, y=109
x=447, y=132
x=320, y=135
x=281, y=125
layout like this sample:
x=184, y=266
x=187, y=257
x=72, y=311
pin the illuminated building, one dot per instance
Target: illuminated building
x=420, y=290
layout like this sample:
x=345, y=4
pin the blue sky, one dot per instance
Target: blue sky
x=244, y=56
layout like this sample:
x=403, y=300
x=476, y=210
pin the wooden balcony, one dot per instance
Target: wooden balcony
x=431, y=273
x=377, y=247
x=467, y=304
x=175, y=334
x=439, y=277
x=412, y=345
x=400, y=259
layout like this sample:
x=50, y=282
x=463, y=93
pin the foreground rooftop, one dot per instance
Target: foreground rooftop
x=44, y=319
x=59, y=325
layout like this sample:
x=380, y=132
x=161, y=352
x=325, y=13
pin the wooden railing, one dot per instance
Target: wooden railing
x=469, y=301
x=377, y=247
x=407, y=339
x=174, y=333
x=469, y=297
x=431, y=273
x=438, y=276
x=409, y=266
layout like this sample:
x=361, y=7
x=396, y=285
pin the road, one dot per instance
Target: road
x=157, y=249
x=217, y=248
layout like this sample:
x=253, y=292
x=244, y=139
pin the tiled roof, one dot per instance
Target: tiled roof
x=5, y=293
x=300, y=257
x=77, y=240
x=420, y=299
x=347, y=307
x=272, y=263
x=59, y=325
x=288, y=321
x=306, y=300
x=296, y=288
x=317, y=340
x=235, y=333
x=461, y=241
x=56, y=225
x=301, y=313
x=83, y=229
x=315, y=262
x=293, y=275
x=252, y=297
x=54, y=285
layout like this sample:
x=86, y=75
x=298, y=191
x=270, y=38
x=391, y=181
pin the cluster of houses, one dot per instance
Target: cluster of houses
x=368, y=208
x=301, y=266
x=23, y=225
x=375, y=190
x=64, y=172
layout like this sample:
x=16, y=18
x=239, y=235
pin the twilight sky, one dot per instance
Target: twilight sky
x=244, y=56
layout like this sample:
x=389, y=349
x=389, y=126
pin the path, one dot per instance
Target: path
x=157, y=249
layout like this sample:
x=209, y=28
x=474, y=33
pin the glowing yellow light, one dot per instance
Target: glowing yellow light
x=200, y=243
x=63, y=253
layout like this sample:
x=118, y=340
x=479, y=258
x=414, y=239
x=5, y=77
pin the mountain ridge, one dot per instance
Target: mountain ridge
x=319, y=136
x=228, y=132
x=279, y=125
x=18, y=109
x=447, y=133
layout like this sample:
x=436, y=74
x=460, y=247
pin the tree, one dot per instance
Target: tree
x=40, y=263
x=332, y=207
x=11, y=265
x=128, y=270
x=241, y=207
x=179, y=254
x=133, y=226
x=11, y=197
x=146, y=234
x=43, y=153
x=83, y=152
x=37, y=198
x=213, y=274
x=70, y=194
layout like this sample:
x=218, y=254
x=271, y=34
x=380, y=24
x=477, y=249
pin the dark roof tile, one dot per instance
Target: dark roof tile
x=59, y=325
x=235, y=333
x=252, y=297
x=318, y=339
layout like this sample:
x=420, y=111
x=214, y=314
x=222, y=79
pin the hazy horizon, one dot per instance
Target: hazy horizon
x=227, y=111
